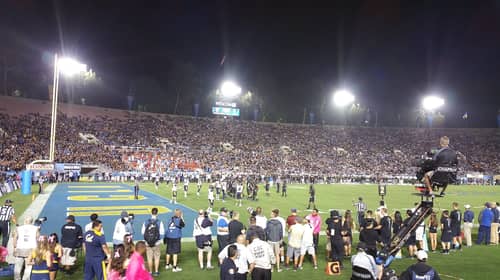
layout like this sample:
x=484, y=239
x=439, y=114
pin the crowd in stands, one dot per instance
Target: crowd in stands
x=149, y=142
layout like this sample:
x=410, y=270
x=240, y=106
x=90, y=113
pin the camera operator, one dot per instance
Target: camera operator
x=445, y=157
x=420, y=270
x=202, y=234
x=25, y=238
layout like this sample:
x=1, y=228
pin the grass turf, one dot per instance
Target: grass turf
x=478, y=262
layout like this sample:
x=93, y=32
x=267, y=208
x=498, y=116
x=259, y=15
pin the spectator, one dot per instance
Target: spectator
x=41, y=259
x=228, y=267
x=290, y=220
x=222, y=229
x=235, y=227
x=370, y=237
x=253, y=228
x=25, y=241
x=71, y=240
x=202, y=234
x=136, y=268
x=494, y=223
x=468, y=224
x=116, y=266
x=315, y=220
x=122, y=227
x=420, y=269
x=153, y=231
x=261, y=258
x=485, y=220
x=7, y=214
x=295, y=234
x=261, y=219
x=96, y=251
x=363, y=264
x=385, y=227
x=347, y=227
x=307, y=244
x=274, y=233
x=56, y=251
x=93, y=217
x=173, y=237
x=242, y=259
x=412, y=240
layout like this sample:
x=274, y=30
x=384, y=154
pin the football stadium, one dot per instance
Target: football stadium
x=249, y=141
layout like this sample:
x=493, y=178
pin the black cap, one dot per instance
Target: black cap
x=334, y=214
x=8, y=201
x=361, y=245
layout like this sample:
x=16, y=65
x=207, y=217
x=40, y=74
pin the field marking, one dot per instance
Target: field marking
x=101, y=191
x=115, y=210
x=94, y=187
x=99, y=198
x=452, y=277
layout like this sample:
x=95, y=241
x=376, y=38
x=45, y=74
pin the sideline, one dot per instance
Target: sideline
x=33, y=210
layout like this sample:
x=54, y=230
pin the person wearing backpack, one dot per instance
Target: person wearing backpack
x=173, y=238
x=153, y=231
x=421, y=270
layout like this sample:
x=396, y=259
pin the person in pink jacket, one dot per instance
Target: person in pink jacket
x=315, y=221
x=136, y=269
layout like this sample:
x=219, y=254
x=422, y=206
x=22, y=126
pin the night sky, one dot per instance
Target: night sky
x=293, y=54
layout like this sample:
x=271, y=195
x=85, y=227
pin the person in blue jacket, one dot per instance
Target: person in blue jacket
x=173, y=240
x=485, y=220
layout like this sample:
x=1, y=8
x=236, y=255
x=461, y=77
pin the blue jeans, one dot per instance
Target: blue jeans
x=483, y=233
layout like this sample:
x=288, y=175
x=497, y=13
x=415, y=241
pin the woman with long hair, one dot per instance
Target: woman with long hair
x=433, y=228
x=116, y=267
x=398, y=222
x=129, y=247
x=56, y=250
x=347, y=226
x=41, y=258
x=446, y=235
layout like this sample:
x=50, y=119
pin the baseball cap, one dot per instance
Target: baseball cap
x=467, y=206
x=361, y=245
x=334, y=214
x=8, y=201
x=421, y=255
x=293, y=210
x=223, y=209
x=70, y=217
x=124, y=214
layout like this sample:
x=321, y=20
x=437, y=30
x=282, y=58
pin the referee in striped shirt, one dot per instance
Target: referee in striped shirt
x=6, y=215
x=361, y=208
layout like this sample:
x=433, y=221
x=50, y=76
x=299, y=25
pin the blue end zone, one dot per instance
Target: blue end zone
x=108, y=201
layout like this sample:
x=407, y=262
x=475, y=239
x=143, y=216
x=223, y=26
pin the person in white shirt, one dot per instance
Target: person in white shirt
x=93, y=217
x=25, y=238
x=261, y=219
x=186, y=186
x=307, y=244
x=295, y=234
x=122, y=227
x=261, y=258
x=202, y=234
x=153, y=253
x=242, y=259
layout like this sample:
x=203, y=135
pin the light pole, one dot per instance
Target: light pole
x=68, y=67
x=230, y=89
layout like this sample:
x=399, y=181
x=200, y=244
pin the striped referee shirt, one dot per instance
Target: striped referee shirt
x=6, y=213
x=360, y=206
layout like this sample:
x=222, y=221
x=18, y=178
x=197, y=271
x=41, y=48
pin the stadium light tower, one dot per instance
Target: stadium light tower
x=343, y=98
x=230, y=89
x=432, y=102
x=68, y=67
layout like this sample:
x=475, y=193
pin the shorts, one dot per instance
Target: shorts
x=428, y=174
x=311, y=199
x=419, y=233
x=292, y=252
x=275, y=246
x=307, y=249
x=238, y=195
x=455, y=231
x=411, y=241
x=153, y=253
x=173, y=246
x=66, y=259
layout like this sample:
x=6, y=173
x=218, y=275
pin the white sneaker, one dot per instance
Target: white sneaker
x=176, y=269
x=168, y=266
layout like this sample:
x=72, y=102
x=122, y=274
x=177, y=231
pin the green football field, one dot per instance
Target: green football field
x=478, y=262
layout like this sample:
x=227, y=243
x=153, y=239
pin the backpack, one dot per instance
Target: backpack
x=152, y=232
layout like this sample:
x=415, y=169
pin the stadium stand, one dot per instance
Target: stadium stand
x=124, y=140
